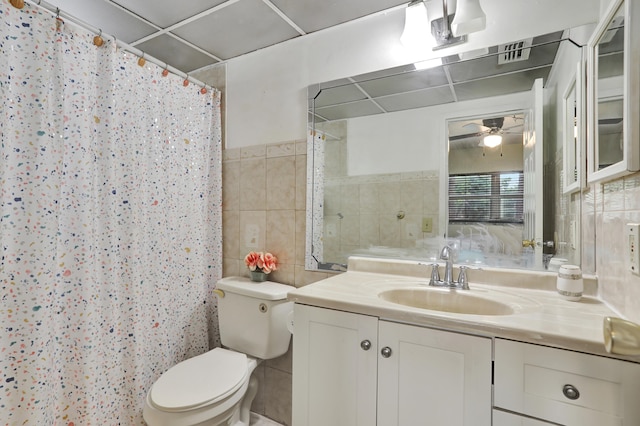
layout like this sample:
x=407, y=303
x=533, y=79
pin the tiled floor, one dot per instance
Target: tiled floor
x=258, y=420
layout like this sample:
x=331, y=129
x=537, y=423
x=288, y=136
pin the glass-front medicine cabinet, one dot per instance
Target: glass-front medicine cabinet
x=613, y=92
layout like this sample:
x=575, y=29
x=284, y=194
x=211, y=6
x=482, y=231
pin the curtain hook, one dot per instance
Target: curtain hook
x=141, y=60
x=59, y=21
x=18, y=4
x=98, y=40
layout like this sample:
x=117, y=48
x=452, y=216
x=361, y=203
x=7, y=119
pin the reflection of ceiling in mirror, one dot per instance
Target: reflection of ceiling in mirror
x=405, y=87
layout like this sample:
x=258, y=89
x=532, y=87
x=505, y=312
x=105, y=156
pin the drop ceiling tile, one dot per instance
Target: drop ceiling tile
x=386, y=72
x=339, y=95
x=108, y=18
x=175, y=53
x=406, y=82
x=239, y=28
x=334, y=83
x=416, y=99
x=314, y=119
x=350, y=110
x=500, y=85
x=314, y=15
x=165, y=13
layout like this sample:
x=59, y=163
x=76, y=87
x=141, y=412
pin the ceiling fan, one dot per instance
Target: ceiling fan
x=490, y=132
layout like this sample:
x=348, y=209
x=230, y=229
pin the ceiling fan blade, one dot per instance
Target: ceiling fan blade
x=465, y=136
x=478, y=127
x=516, y=126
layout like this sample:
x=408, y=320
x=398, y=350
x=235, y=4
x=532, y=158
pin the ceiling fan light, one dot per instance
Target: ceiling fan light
x=491, y=141
x=416, y=25
x=469, y=18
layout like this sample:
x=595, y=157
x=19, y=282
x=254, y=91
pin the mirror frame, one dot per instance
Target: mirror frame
x=631, y=93
x=573, y=136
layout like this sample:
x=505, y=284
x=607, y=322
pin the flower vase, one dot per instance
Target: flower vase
x=258, y=276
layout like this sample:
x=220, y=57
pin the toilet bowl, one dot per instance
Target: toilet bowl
x=218, y=387
x=204, y=390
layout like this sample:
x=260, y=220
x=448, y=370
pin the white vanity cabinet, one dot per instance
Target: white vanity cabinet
x=563, y=387
x=334, y=368
x=354, y=370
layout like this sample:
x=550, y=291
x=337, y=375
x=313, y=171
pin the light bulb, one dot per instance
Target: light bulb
x=416, y=25
x=491, y=141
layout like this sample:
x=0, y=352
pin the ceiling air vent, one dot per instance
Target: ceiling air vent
x=514, y=52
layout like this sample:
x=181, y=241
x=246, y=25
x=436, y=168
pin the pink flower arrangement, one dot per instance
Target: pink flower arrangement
x=259, y=261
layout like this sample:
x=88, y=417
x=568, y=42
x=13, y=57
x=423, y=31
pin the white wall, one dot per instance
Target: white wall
x=376, y=146
x=266, y=90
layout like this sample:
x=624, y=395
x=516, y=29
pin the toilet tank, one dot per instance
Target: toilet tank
x=253, y=316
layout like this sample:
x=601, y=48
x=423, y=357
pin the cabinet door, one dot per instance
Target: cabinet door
x=433, y=377
x=334, y=374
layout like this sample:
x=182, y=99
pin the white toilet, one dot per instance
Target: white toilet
x=217, y=387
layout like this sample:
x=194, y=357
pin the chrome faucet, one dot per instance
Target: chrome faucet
x=447, y=256
x=448, y=281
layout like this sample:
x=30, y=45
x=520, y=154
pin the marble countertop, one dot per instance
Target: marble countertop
x=541, y=315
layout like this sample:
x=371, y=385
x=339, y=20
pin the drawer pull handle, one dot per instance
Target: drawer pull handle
x=571, y=392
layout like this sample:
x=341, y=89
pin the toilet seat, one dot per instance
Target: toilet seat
x=202, y=380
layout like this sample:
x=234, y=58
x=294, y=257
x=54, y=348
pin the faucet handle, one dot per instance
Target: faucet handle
x=463, y=280
x=435, y=274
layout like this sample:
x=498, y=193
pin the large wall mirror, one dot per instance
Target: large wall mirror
x=614, y=146
x=401, y=163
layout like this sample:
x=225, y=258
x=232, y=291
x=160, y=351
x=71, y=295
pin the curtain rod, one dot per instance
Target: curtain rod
x=54, y=10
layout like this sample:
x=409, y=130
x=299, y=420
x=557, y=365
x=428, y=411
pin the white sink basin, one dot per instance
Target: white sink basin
x=446, y=300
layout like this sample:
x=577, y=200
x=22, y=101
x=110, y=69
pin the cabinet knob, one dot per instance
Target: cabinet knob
x=571, y=392
x=365, y=344
x=386, y=352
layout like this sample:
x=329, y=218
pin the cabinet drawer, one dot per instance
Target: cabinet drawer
x=502, y=418
x=565, y=387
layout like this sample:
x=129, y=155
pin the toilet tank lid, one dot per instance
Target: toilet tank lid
x=265, y=290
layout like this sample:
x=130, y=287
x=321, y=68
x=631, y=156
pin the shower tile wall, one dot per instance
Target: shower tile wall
x=378, y=210
x=263, y=202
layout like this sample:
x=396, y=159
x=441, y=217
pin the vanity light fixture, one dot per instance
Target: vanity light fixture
x=441, y=30
x=469, y=18
x=447, y=30
x=492, y=140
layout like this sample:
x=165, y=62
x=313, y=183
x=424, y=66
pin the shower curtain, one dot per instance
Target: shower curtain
x=110, y=224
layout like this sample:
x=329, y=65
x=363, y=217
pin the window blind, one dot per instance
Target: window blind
x=495, y=197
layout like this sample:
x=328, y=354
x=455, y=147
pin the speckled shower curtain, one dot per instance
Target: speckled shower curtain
x=110, y=221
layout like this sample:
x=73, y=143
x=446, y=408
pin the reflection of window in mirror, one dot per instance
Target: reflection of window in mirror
x=490, y=197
